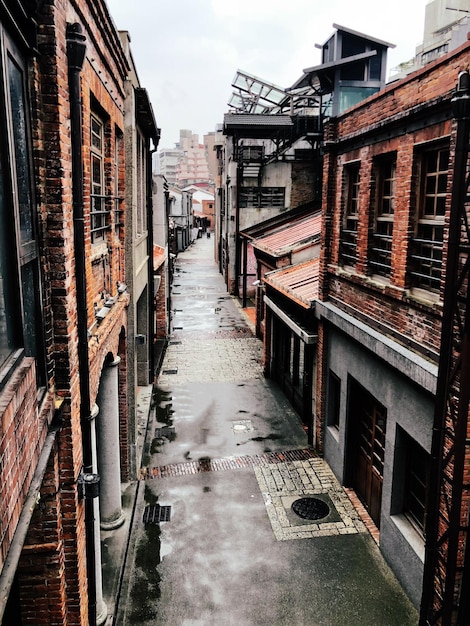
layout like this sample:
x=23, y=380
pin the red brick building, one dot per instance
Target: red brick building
x=63, y=305
x=387, y=188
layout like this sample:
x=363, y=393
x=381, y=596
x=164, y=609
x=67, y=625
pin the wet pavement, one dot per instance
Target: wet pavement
x=225, y=458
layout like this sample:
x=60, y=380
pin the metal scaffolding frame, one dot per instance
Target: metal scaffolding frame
x=445, y=599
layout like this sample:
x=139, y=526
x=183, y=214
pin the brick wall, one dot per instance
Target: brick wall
x=360, y=136
x=161, y=305
x=303, y=179
x=52, y=570
x=22, y=434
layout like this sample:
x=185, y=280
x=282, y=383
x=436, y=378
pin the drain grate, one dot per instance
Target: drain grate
x=154, y=514
x=169, y=371
x=175, y=343
x=310, y=508
x=166, y=431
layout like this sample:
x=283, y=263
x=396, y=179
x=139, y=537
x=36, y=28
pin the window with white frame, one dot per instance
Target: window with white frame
x=141, y=224
x=118, y=146
x=380, y=259
x=99, y=214
x=427, y=242
x=348, y=244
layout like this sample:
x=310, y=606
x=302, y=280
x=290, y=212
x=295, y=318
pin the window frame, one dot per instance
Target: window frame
x=333, y=400
x=380, y=244
x=350, y=213
x=262, y=197
x=413, y=453
x=99, y=214
x=427, y=242
x=21, y=294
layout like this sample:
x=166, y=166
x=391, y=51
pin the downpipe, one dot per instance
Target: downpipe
x=76, y=49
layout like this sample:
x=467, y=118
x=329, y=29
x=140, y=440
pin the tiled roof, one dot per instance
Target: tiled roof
x=298, y=282
x=158, y=256
x=292, y=235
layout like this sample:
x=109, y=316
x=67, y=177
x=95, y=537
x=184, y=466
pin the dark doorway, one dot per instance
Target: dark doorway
x=367, y=420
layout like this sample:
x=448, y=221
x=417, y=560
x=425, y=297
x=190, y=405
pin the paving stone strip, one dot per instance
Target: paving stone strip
x=228, y=463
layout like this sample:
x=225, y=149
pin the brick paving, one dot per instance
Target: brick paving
x=224, y=464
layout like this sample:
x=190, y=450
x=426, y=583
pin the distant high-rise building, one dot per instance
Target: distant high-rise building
x=445, y=29
x=188, y=163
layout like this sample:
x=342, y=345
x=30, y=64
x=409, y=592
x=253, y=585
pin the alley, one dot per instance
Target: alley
x=225, y=458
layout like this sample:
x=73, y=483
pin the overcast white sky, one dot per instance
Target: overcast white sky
x=187, y=52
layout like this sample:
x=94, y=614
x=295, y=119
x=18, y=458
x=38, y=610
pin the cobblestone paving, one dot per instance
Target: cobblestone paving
x=215, y=361
x=282, y=484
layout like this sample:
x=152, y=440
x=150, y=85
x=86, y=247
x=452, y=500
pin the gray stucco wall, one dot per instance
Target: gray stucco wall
x=409, y=410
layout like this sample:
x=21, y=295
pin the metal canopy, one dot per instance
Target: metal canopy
x=256, y=96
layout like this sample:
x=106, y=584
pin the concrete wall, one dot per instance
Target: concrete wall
x=409, y=408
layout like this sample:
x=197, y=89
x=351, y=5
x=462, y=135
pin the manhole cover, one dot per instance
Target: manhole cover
x=310, y=508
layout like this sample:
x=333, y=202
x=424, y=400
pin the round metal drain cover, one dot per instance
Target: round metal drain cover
x=310, y=508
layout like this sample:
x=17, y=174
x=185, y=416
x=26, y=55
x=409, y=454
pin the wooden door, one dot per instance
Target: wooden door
x=370, y=426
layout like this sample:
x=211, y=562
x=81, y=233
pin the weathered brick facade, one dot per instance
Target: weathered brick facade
x=41, y=458
x=381, y=297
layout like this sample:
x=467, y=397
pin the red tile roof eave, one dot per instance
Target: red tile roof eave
x=288, y=248
x=305, y=304
x=306, y=272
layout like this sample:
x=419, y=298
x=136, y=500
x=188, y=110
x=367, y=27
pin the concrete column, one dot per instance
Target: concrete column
x=109, y=466
x=101, y=608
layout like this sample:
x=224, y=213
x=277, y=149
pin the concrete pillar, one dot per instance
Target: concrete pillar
x=109, y=466
x=101, y=608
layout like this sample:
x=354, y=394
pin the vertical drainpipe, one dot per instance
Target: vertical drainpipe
x=151, y=269
x=237, y=222
x=76, y=49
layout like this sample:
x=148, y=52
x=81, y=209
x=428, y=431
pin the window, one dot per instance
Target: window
x=262, y=197
x=117, y=195
x=98, y=208
x=141, y=225
x=334, y=395
x=251, y=154
x=426, y=245
x=351, y=214
x=381, y=245
x=20, y=289
x=416, y=482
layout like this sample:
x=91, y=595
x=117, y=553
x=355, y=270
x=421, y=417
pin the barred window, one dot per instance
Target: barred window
x=416, y=483
x=262, y=197
x=118, y=213
x=141, y=222
x=427, y=243
x=381, y=243
x=251, y=154
x=99, y=213
x=348, y=244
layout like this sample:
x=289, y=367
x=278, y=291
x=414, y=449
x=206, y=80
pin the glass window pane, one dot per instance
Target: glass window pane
x=17, y=101
x=9, y=300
